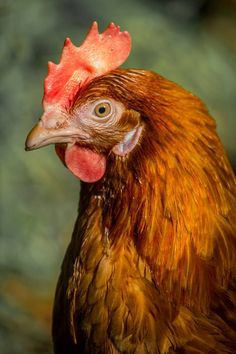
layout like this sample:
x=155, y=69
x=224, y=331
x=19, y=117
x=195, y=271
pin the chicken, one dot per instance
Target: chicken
x=151, y=264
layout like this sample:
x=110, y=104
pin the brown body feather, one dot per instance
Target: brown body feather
x=151, y=265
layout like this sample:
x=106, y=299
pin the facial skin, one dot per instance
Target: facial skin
x=87, y=133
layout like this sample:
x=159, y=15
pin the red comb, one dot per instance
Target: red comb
x=98, y=54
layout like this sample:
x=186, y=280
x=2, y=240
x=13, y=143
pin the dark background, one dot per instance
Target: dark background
x=190, y=42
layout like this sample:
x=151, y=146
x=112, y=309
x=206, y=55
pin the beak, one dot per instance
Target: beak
x=37, y=137
x=44, y=134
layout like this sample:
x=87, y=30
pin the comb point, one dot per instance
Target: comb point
x=67, y=42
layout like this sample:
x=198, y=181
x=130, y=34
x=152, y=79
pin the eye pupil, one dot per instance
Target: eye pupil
x=102, y=110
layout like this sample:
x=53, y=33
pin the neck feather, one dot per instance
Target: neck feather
x=173, y=198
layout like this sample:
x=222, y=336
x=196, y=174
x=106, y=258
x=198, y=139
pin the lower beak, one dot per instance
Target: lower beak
x=40, y=136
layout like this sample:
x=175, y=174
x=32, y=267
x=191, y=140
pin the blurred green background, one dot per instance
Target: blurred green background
x=190, y=42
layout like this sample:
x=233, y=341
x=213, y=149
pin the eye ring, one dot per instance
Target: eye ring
x=102, y=109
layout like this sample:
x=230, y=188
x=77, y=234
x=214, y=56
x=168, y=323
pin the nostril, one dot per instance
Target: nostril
x=52, y=120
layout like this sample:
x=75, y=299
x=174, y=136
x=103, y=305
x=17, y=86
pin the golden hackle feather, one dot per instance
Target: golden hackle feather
x=151, y=262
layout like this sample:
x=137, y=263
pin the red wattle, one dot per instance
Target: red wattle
x=85, y=164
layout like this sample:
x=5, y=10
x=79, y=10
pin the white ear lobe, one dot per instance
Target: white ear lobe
x=129, y=142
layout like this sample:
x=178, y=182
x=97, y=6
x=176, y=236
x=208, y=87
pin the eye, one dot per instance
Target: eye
x=102, y=109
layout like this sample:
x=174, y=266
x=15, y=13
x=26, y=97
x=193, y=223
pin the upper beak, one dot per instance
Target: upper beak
x=41, y=136
x=37, y=137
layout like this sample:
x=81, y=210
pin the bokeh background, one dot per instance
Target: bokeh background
x=191, y=42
